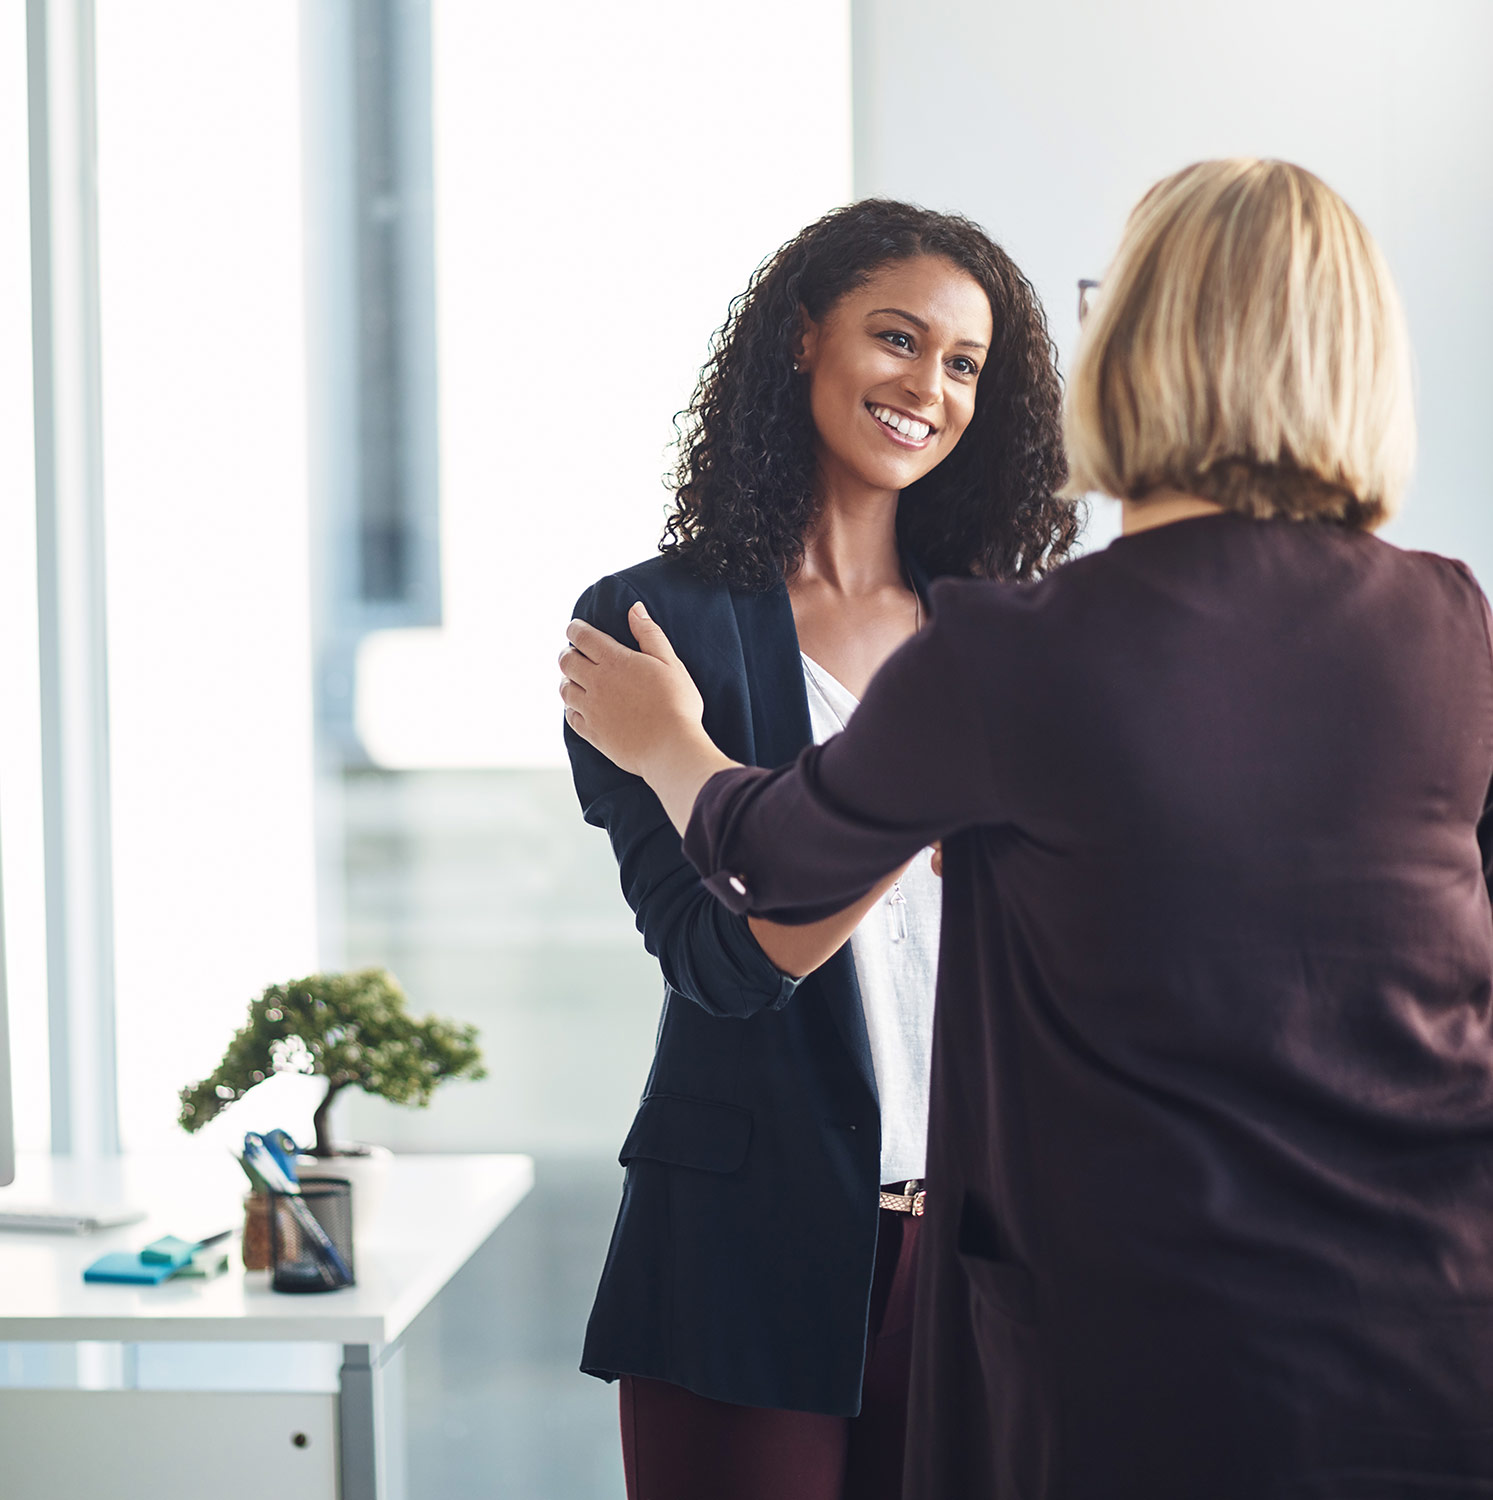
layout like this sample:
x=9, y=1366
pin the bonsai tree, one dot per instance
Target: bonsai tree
x=350, y=1029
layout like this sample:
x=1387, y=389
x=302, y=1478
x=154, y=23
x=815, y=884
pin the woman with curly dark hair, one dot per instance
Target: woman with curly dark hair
x=881, y=408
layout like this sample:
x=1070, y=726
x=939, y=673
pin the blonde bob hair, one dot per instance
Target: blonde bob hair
x=1247, y=345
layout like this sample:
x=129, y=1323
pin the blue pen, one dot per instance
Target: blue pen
x=280, y=1145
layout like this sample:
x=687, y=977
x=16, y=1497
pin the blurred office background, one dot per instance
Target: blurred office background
x=364, y=322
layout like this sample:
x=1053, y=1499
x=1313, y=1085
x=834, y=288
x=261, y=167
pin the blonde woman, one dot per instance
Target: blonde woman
x=1211, y=1159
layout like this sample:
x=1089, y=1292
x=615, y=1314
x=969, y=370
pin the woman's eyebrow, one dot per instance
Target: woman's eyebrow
x=900, y=312
x=917, y=322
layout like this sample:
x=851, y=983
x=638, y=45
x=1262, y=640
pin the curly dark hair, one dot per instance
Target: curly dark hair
x=745, y=480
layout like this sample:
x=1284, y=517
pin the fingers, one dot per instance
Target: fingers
x=937, y=860
x=577, y=725
x=591, y=644
x=572, y=696
x=650, y=637
x=590, y=641
x=578, y=668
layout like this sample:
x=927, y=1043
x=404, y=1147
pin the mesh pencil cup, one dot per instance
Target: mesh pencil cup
x=299, y=1260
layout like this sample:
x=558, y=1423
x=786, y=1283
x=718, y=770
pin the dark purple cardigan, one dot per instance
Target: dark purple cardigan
x=1211, y=1155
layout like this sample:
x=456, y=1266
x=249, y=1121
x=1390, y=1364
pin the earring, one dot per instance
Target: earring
x=795, y=366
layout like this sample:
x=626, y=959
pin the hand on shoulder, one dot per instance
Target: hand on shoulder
x=627, y=703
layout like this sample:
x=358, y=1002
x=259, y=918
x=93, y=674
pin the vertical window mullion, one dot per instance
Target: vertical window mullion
x=70, y=576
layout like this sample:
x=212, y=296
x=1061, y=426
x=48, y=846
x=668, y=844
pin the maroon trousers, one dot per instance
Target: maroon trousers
x=680, y=1446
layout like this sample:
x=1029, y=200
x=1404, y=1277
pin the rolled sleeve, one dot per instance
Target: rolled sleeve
x=706, y=951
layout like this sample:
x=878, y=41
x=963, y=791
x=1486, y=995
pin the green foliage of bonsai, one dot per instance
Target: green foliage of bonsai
x=350, y=1029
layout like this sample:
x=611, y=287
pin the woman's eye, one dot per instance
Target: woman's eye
x=966, y=366
x=893, y=335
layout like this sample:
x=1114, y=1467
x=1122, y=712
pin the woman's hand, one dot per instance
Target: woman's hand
x=626, y=702
x=641, y=709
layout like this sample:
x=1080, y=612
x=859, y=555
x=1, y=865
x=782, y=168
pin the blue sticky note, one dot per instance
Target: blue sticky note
x=169, y=1251
x=126, y=1266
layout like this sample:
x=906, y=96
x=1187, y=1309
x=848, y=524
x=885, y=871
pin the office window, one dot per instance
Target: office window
x=207, y=527
x=21, y=867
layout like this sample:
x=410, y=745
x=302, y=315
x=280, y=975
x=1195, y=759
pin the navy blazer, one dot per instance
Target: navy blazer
x=740, y=1265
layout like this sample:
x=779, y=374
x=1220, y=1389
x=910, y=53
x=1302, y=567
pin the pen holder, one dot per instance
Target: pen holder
x=297, y=1262
x=256, y=1242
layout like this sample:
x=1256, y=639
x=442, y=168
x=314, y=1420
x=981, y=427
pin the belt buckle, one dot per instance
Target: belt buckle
x=909, y=1201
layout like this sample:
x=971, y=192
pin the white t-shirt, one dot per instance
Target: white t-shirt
x=895, y=949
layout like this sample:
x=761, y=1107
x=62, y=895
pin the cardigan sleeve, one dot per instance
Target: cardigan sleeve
x=707, y=953
x=915, y=764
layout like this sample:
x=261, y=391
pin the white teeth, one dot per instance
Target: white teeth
x=907, y=426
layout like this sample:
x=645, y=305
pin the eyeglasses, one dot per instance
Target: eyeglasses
x=1086, y=291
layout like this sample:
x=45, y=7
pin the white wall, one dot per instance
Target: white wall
x=1046, y=121
x=607, y=178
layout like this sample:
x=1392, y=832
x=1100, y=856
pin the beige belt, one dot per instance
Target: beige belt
x=909, y=1201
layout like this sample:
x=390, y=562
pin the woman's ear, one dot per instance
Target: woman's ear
x=807, y=339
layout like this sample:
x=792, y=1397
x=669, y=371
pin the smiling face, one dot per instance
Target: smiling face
x=892, y=369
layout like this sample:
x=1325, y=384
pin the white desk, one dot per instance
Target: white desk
x=439, y=1209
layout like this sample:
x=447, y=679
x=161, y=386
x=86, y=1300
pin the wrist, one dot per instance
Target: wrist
x=674, y=753
x=679, y=767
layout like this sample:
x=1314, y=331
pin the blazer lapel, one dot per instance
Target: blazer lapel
x=775, y=675
x=781, y=729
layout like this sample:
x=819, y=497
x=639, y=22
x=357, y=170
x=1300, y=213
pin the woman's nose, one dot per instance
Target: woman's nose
x=924, y=384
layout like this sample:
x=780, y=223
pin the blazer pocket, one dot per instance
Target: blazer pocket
x=996, y=1280
x=696, y=1133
